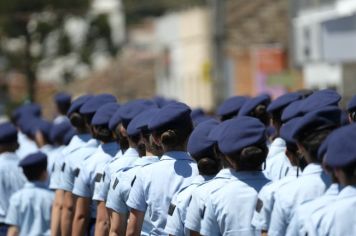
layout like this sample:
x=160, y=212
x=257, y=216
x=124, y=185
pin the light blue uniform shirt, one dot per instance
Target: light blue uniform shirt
x=120, y=162
x=73, y=163
x=156, y=184
x=55, y=177
x=49, y=150
x=229, y=210
x=26, y=145
x=261, y=219
x=339, y=217
x=179, y=205
x=120, y=187
x=200, y=194
x=311, y=184
x=303, y=212
x=30, y=210
x=11, y=180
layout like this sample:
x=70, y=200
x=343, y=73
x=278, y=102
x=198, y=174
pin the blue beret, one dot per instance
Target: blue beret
x=62, y=98
x=231, y=106
x=197, y=113
x=129, y=110
x=239, y=133
x=291, y=111
x=252, y=103
x=199, y=145
x=31, y=109
x=341, y=149
x=78, y=103
x=8, y=133
x=42, y=126
x=287, y=130
x=161, y=101
x=93, y=104
x=200, y=119
x=323, y=149
x=282, y=101
x=25, y=124
x=320, y=99
x=344, y=118
x=115, y=119
x=140, y=122
x=103, y=115
x=59, y=130
x=324, y=117
x=69, y=135
x=33, y=159
x=173, y=114
x=352, y=104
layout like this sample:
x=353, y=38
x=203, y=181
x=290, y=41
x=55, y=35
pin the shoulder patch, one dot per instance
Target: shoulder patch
x=63, y=167
x=259, y=205
x=76, y=172
x=171, y=209
x=115, y=183
x=133, y=181
x=203, y=212
x=98, y=177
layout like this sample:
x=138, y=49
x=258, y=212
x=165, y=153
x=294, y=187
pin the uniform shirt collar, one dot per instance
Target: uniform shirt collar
x=243, y=175
x=130, y=152
x=348, y=191
x=224, y=173
x=176, y=155
x=110, y=148
x=8, y=156
x=38, y=184
x=84, y=137
x=333, y=190
x=312, y=168
x=47, y=148
x=278, y=142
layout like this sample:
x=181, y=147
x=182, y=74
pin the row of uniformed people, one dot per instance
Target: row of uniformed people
x=125, y=186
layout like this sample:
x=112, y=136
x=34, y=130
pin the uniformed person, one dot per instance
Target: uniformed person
x=351, y=109
x=156, y=185
x=11, y=177
x=230, y=107
x=229, y=209
x=62, y=101
x=201, y=148
x=257, y=107
x=30, y=208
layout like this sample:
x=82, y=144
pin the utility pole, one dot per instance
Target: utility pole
x=218, y=36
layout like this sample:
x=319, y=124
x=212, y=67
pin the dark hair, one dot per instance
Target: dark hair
x=174, y=137
x=228, y=116
x=209, y=165
x=123, y=141
x=9, y=147
x=103, y=133
x=78, y=121
x=276, y=118
x=350, y=171
x=250, y=158
x=260, y=112
x=313, y=139
x=63, y=107
x=352, y=115
x=34, y=172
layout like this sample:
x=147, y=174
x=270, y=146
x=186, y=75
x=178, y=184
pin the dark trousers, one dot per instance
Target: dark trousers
x=3, y=229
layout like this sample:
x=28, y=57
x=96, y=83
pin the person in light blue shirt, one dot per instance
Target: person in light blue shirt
x=156, y=184
x=30, y=208
x=337, y=218
x=229, y=209
x=83, y=188
x=309, y=132
x=261, y=218
x=122, y=181
x=11, y=177
x=62, y=101
x=202, y=150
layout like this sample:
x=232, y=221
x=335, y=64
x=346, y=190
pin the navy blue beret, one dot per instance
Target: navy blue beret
x=341, y=149
x=161, y=101
x=140, y=122
x=33, y=159
x=352, y=104
x=239, y=133
x=287, y=130
x=115, y=119
x=323, y=149
x=78, y=103
x=173, y=114
x=31, y=109
x=129, y=110
x=252, y=103
x=42, y=126
x=231, y=106
x=282, y=101
x=93, y=104
x=320, y=99
x=200, y=119
x=291, y=111
x=324, y=117
x=59, y=130
x=62, y=98
x=25, y=124
x=103, y=115
x=199, y=144
x=8, y=133
x=69, y=135
x=197, y=112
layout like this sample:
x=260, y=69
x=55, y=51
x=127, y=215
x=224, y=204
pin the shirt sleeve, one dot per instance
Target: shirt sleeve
x=81, y=186
x=194, y=213
x=279, y=217
x=99, y=185
x=262, y=214
x=172, y=225
x=68, y=175
x=209, y=225
x=116, y=197
x=293, y=226
x=13, y=215
x=137, y=196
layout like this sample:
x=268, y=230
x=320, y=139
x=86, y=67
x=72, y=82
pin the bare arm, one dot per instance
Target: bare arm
x=102, y=224
x=56, y=213
x=13, y=231
x=67, y=213
x=264, y=233
x=194, y=233
x=81, y=219
x=135, y=223
x=118, y=223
